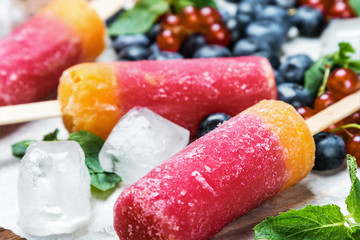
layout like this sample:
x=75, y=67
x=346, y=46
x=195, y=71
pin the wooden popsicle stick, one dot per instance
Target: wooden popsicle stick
x=107, y=8
x=41, y=110
x=29, y=112
x=334, y=113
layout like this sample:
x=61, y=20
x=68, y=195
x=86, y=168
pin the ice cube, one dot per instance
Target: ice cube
x=53, y=189
x=140, y=141
x=341, y=30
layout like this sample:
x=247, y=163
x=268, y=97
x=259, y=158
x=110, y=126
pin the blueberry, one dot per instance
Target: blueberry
x=244, y=20
x=225, y=14
x=248, y=7
x=276, y=14
x=309, y=21
x=154, y=48
x=163, y=55
x=211, y=122
x=278, y=77
x=233, y=25
x=209, y=51
x=285, y=3
x=330, y=151
x=272, y=32
x=124, y=41
x=191, y=44
x=249, y=46
x=134, y=53
x=294, y=94
x=294, y=67
x=154, y=32
x=273, y=59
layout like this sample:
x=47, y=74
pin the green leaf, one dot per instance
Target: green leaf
x=353, y=199
x=355, y=4
x=140, y=18
x=311, y=222
x=51, y=136
x=354, y=65
x=180, y=4
x=354, y=232
x=92, y=144
x=315, y=74
x=19, y=149
x=104, y=181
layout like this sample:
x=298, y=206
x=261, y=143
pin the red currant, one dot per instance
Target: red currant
x=335, y=125
x=341, y=9
x=305, y=112
x=217, y=34
x=342, y=82
x=209, y=16
x=321, y=5
x=171, y=21
x=168, y=41
x=323, y=101
x=354, y=118
x=190, y=17
x=353, y=147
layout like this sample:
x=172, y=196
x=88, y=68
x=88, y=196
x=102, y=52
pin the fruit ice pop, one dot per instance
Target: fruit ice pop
x=182, y=91
x=33, y=56
x=219, y=177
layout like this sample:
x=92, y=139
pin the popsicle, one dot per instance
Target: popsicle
x=33, y=56
x=219, y=177
x=182, y=91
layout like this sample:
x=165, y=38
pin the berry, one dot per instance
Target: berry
x=294, y=94
x=305, y=112
x=124, y=41
x=190, y=17
x=249, y=8
x=309, y=21
x=248, y=46
x=244, y=20
x=154, y=32
x=211, y=122
x=134, y=53
x=341, y=9
x=285, y=3
x=191, y=44
x=209, y=16
x=272, y=32
x=162, y=55
x=278, y=77
x=209, y=51
x=275, y=13
x=330, y=151
x=353, y=118
x=342, y=82
x=233, y=25
x=320, y=5
x=168, y=41
x=294, y=67
x=218, y=34
x=171, y=21
x=323, y=101
x=273, y=59
x=353, y=147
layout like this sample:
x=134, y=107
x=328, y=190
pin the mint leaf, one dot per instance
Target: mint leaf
x=180, y=4
x=311, y=222
x=19, y=149
x=354, y=232
x=355, y=4
x=51, y=136
x=353, y=199
x=91, y=145
x=140, y=18
x=104, y=181
x=315, y=74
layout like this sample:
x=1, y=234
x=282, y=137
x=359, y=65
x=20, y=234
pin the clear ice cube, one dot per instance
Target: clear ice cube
x=140, y=141
x=53, y=189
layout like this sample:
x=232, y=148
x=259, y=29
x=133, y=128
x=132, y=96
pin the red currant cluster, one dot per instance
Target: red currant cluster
x=206, y=20
x=341, y=82
x=332, y=8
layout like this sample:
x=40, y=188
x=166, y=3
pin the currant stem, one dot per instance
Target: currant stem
x=325, y=80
